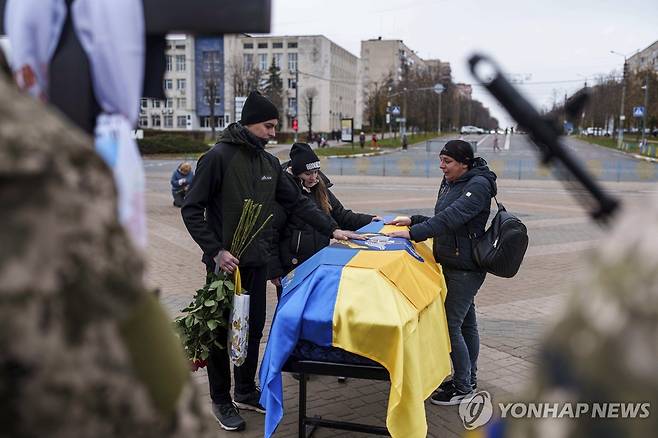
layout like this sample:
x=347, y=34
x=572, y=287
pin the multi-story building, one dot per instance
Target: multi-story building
x=194, y=65
x=645, y=59
x=465, y=90
x=382, y=61
x=440, y=69
x=319, y=77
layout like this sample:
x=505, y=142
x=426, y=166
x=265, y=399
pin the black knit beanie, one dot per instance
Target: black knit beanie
x=257, y=108
x=459, y=150
x=302, y=159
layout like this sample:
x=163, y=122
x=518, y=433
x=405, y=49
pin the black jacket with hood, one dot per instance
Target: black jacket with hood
x=235, y=169
x=462, y=209
x=297, y=241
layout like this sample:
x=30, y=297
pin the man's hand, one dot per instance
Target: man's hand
x=346, y=235
x=400, y=220
x=276, y=281
x=401, y=233
x=225, y=261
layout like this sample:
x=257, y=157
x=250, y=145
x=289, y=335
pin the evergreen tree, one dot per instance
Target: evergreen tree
x=273, y=87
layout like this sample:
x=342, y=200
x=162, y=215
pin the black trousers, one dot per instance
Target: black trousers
x=219, y=366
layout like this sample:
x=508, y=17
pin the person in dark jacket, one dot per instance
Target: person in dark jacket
x=297, y=240
x=237, y=168
x=181, y=180
x=460, y=215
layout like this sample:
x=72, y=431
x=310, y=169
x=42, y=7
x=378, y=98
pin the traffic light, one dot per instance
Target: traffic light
x=294, y=125
x=625, y=70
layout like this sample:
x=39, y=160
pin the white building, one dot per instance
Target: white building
x=326, y=72
x=191, y=62
x=178, y=110
x=645, y=59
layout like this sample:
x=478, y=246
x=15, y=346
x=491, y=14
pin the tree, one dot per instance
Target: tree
x=273, y=87
x=242, y=78
x=310, y=95
x=212, y=78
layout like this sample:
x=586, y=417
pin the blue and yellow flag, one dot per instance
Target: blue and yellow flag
x=382, y=299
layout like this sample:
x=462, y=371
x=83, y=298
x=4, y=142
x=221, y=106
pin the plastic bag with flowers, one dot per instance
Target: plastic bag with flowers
x=221, y=305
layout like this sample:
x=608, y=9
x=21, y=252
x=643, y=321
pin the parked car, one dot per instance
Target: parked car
x=598, y=132
x=470, y=130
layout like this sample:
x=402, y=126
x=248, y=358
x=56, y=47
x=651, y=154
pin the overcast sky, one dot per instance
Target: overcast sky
x=540, y=41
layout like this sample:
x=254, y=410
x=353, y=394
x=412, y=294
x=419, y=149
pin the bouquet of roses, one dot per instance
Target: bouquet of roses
x=221, y=303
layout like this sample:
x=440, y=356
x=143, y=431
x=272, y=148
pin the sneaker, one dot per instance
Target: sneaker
x=250, y=401
x=450, y=396
x=228, y=416
x=448, y=383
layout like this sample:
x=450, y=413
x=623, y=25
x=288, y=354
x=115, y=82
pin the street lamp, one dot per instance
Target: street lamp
x=645, y=87
x=620, y=136
x=438, y=89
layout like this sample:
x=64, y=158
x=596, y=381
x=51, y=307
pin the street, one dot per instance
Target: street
x=513, y=313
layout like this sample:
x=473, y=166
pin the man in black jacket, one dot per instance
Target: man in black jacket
x=235, y=169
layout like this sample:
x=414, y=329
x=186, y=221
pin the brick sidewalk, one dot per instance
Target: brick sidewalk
x=513, y=313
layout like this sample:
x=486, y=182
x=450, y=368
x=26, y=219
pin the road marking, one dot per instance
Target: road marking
x=508, y=140
x=483, y=139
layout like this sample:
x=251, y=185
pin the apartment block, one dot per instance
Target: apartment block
x=319, y=77
x=645, y=59
x=192, y=64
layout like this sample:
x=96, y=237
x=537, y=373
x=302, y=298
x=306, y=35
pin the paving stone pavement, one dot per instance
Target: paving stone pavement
x=513, y=313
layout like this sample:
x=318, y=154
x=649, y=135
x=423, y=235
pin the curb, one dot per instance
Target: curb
x=366, y=154
x=642, y=157
x=619, y=151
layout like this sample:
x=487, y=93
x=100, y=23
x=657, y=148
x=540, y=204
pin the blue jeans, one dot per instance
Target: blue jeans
x=462, y=325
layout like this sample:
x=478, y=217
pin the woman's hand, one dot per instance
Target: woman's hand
x=401, y=233
x=401, y=221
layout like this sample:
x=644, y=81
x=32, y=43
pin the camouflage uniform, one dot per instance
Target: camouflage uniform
x=85, y=350
x=605, y=347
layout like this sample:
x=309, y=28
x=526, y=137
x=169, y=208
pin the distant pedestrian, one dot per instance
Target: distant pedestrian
x=181, y=180
x=495, y=143
x=362, y=139
x=374, y=140
x=405, y=142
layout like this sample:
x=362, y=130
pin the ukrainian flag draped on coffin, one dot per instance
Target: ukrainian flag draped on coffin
x=381, y=299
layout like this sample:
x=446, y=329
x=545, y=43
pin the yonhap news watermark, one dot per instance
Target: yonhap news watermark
x=478, y=410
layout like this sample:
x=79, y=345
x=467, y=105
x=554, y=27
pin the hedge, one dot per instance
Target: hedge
x=171, y=144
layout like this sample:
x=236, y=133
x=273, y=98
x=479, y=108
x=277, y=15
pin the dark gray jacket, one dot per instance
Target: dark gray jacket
x=462, y=209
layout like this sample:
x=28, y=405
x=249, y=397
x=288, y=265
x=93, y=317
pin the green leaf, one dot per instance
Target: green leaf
x=229, y=285
x=209, y=303
x=215, y=284
x=212, y=324
x=189, y=321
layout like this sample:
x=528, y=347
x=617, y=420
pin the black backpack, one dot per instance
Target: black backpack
x=501, y=248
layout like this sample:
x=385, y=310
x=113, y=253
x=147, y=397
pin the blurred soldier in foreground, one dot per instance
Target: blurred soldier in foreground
x=85, y=350
x=605, y=347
